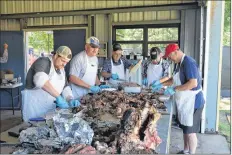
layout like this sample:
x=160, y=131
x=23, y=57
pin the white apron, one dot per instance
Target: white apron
x=119, y=70
x=37, y=102
x=154, y=72
x=89, y=78
x=185, y=101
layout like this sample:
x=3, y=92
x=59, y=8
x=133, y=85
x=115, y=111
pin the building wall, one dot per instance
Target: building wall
x=15, y=62
x=190, y=33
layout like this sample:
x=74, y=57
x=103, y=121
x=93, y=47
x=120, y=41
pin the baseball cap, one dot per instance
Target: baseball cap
x=93, y=41
x=154, y=52
x=116, y=47
x=64, y=51
x=170, y=48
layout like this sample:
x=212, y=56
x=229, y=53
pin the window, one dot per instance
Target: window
x=131, y=40
x=129, y=34
x=140, y=39
x=129, y=48
x=163, y=34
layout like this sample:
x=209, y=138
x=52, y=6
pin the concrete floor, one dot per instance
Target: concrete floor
x=8, y=120
x=6, y=114
x=207, y=143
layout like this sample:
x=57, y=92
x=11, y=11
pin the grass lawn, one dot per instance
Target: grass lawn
x=224, y=125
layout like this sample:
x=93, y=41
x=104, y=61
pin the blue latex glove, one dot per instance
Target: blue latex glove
x=62, y=103
x=74, y=103
x=145, y=81
x=157, y=88
x=104, y=86
x=95, y=89
x=155, y=83
x=115, y=76
x=169, y=91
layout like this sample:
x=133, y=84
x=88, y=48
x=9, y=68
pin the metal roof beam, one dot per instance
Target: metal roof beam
x=102, y=11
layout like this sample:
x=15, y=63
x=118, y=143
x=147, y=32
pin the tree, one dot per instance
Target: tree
x=41, y=41
x=226, y=32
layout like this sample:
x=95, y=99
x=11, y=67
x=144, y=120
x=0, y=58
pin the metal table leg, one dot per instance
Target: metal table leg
x=12, y=98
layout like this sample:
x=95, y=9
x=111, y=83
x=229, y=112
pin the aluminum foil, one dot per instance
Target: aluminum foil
x=71, y=129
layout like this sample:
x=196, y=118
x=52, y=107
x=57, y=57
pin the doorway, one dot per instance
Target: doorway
x=40, y=43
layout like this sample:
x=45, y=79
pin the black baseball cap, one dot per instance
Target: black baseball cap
x=116, y=47
x=154, y=52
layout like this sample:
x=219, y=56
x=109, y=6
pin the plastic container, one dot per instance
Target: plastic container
x=132, y=89
x=19, y=79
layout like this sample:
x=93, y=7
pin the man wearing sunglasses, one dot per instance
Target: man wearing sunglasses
x=83, y=70
x=185, y=85
x=45, y=83
x=115, y=68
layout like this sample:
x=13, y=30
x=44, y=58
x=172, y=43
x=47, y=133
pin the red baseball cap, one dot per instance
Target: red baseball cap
x=170, y=48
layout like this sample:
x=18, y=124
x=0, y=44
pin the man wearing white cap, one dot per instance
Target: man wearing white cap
x=45, y=82
x=83, y=70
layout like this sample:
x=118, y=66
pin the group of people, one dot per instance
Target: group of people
x=47, y=86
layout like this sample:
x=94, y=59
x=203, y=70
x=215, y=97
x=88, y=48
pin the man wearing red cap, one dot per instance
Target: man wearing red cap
x=185, y=85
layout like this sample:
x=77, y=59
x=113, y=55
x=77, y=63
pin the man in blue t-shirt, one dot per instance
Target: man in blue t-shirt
x=185, y=85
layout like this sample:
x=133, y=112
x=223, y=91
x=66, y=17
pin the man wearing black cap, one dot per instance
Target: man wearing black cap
x=115, y=67
x=155, y=68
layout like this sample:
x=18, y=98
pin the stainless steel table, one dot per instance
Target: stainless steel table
x=9, y=89
x=164, y=129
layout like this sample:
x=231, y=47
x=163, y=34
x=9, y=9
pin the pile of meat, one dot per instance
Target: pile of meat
x=106, y=123
x=133, y=129
x=135, y=135
x=116, y=102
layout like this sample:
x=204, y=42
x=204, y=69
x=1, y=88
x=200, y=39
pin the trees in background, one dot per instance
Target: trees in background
x=226, y=32
x=41, y=41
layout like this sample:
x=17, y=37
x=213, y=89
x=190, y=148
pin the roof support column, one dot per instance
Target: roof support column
x=212, y=63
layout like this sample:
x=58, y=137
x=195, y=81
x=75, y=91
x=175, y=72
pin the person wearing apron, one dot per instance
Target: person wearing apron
x=186, y=88
x=156, y=68
x=83, y=70
x=115, y=68
x=44, y=84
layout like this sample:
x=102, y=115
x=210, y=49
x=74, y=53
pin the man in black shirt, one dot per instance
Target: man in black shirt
x=45, y=82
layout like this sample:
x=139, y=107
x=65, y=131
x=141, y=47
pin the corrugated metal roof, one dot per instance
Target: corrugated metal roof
x=146, y=16
x=102, y=27
x=57, y=20
x=23, y=6
x=10, y=25
x=17, y=6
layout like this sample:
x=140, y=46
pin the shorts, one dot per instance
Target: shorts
x=196, y=122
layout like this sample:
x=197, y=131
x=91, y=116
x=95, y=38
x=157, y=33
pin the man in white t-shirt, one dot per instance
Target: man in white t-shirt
x=83, y=70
